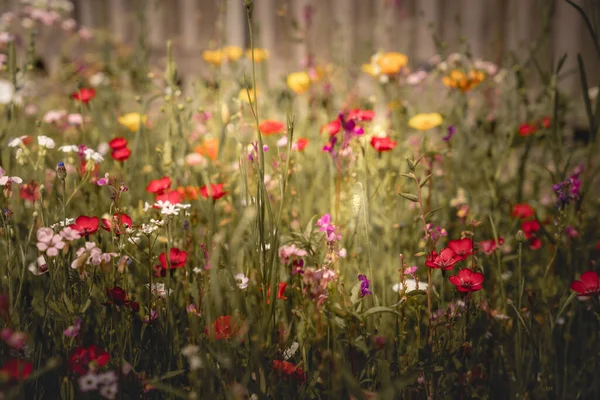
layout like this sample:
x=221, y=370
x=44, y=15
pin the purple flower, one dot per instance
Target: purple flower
x=364, y=285
x=568, y=190
x=451, y=132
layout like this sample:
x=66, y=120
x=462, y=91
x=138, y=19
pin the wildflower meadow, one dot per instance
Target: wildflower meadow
x=433, y=236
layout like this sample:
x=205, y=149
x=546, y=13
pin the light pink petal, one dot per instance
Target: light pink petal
x=52, y=252
x=42, y=246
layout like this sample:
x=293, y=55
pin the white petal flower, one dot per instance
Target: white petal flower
x=410, y=285
x=7, y=92
x=70, y=148
x=241, y=280
x=46, y=142
x=289, y=353
x=16, y=141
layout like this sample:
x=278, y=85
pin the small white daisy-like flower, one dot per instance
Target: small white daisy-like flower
x=171, y=209
x=46, y=142
x=70, y=148
x=109, y=391
x=88, y=382
x=91, y=154
x=241, y=280
x=16, y=141
x=147, y=206
x=107, y=378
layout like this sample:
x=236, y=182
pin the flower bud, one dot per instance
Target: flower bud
x=61, y=171
x=520, y=236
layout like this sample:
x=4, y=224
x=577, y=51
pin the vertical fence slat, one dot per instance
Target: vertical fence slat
x=567, y=34
x=236, y=23
x=427, y=24
x=118, y=16
x=190, y=20
x=156, y=26
x=475, y=25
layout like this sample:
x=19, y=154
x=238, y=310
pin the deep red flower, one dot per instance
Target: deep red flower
x=523, y=211
x=527, y=129
x=120, y=220
x=159, y=186
x=588, y=284
x=382, y=143
x=301, y=144
x=30, y=192
x=467, y=280
x=290, y=370
x=333, y=127
x=177, y=258
x=173, y=197
x=535, y=243
x=546, y=122
x=280, y=292
x=226, y=327
x=530, y=228
x=118, y=143
x=84, y=95
x=361, y=115
x=271, y=127
x=116, y=296
x=217, y=191
x=86, y=225
x=461, y=247
x=121, y=154
x=445, y=260
x=82, y=358
x=489, y=246
x=16, y=369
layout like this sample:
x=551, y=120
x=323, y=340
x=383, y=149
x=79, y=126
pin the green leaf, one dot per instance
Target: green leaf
x=410, y=196
x=355, y=293
x=417, y=292
x=171, y=374
x=68, y=304
x=86, y=305
x=425, y=180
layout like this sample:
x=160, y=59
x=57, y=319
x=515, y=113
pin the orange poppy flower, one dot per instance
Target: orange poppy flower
x=271, y=127
x=210, y=149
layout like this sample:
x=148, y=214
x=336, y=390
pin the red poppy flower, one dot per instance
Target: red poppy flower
x=467, y=280
x=588, y=284
x=523, y=211
x=82, y=358
x=16, y=369
x=527, y=130
x=361, y=115
x=535, y=243
x=121, y=154
x=86, y=225
x=120, y=220
x=333, y=127
x=289, y=369
x=530, y=228
x=461, y=247
x=546, y=122
x=280, y=292
x=301, y=144
x=382, y=143
x=226, y=327
x=159, y=186
x=216, y=189
x=84, y=95
x=173, y=197
x=489, y=246
x=271, y=127
x=30, y=192
x=445, y=260
x=118, y=143
x=177, y=258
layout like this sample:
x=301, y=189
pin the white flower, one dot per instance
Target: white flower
x=195, y=363
x=46, y=142
x=157, y=222
x=169, y=209
x=39, y=267
x=410, y=285
x=289, y=353
x=97, y=79
x=70, y=148
x=148, y=229
x=107, y=378
x=241, y=280
x=64, y=223
x=91, y=154
x=147, y=206
x=16, y=141
x=190, y=350
x=159, y=290
x=103, y=148
x=109, y=391
x=7, y=92
x=4, y=179
x=88, y=382
x=282, y=142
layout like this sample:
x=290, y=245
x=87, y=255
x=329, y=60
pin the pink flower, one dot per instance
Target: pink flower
x=287, y=252
x=330, y=230
x=49, y=242
x=69, y=234
x=587, y=285
x=16, y=340
x=73, y=330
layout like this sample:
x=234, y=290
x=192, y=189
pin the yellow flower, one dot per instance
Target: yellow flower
x=132, y=121
x=370, y=69
x=243, y=95
x=459, y=80
x=423, y=122
x=391, y=63
x=214, y=57
x=233, y=53
x=299, y=82
x=260, y=55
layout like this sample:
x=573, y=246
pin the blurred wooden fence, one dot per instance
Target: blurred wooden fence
x=349, y=31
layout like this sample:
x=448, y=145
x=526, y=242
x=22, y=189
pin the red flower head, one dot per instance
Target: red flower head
x=301, y=144
x=121, y=154
x=271, y=127
x=462, y=247
x=86, y=225
x=29, y=192
x=527, y=129
x=382, y=143
x=489, y=246
x=445, y=260
x=588, y=284
x=290, y=370
x=523, y=211
x=159, y=186
x=546, y=122
x=226, y=327
x=361, y=115
x=333, y=127
x=118, y=143
x=173, y=197
x=280, y=292
x=177, y=258
x=85, y=358
x=216, y=189
x=467, y=280
x=16, y=370
x=119, y=220
x=84, y=95
x=116, y=295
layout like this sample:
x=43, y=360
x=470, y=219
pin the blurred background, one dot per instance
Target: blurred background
x=346, y=32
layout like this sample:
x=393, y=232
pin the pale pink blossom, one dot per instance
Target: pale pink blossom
x=49, y=242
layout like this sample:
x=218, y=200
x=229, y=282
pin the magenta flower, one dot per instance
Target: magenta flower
x=330, y=230
x=364, y=285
